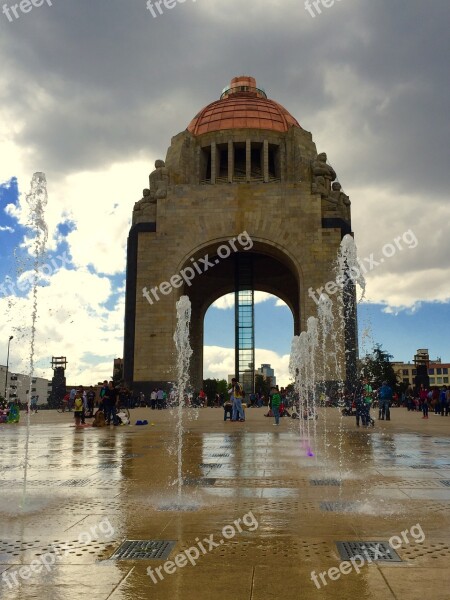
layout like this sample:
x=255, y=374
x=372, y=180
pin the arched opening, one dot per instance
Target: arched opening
x=274, y=329
x=273, y=273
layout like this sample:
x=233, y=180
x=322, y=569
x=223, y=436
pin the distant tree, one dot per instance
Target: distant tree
x=377, y=367
x=290, y=388
x=210, y=388
x=222, y=386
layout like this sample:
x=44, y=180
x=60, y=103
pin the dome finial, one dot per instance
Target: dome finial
x=244, y=84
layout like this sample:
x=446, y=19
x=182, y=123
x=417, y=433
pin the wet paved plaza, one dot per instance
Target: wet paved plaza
x=89, y=490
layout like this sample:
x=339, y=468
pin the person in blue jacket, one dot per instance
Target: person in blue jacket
x=384, y=401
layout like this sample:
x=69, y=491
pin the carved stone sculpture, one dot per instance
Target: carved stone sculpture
x=159, y=180
x=322, y=175
x=340, y=200
x=145, y=209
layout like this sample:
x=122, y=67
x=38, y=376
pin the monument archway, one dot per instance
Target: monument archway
x=244, y=189
x=273, y=272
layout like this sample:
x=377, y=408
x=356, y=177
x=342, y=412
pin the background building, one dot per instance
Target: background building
x=266, y=371
x=18, y=386
x=438, y=372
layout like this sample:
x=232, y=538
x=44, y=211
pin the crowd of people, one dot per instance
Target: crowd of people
x=424, y=400
x=419, y=399
x=111, y=405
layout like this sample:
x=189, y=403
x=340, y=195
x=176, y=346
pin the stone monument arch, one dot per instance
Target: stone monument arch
x=242, y=202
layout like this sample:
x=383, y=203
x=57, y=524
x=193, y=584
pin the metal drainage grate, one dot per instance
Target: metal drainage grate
x=337, y=506
x=199, y=481
x=324, y=482
x=425, y=467
x=368, y=550
x=445, y=482
x=144, y=549
x=75, y=482
x=210, y=465
x=131, y=455
x=220, y=455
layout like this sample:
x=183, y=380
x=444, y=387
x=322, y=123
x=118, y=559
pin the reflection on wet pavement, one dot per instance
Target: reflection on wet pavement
x=90, y=490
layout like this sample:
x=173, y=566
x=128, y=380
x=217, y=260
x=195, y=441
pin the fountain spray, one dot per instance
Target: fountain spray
x=184, y=353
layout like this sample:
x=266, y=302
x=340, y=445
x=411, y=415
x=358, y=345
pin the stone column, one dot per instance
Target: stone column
x=266, y=161
x=248, y=160
x=213, y=162
x=230, y=161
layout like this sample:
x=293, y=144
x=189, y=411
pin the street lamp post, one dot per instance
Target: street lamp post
x=7, y=364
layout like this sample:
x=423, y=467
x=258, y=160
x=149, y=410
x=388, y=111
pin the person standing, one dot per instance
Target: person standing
x=423, y=399
x=72, y=395
x=34, y=404
x=153, y=399
x=236, y=395
x=159, y=398
x=91, y=401
x=443, y=401
x=103, y=391
x=384, y=401
x=78, y=409
x=276, y=402
x=424, y=402
x=109, y=403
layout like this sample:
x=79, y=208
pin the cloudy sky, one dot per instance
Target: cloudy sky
x=93, y=90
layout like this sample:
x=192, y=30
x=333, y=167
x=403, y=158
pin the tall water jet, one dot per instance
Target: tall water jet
x=348, y=276
x=312, y=332
x=332, y=336
x=37, y=201
x=294, y=370
x=184, y=353
x=326, y=328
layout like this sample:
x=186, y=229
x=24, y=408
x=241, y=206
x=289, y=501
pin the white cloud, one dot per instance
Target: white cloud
x=227, y=301
x=71, y=321
x=219, y=363
x=418, y=271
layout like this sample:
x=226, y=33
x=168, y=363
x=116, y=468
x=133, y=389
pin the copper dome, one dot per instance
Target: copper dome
x=242, y=106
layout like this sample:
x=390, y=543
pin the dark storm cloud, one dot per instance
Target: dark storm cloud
x=95, y=82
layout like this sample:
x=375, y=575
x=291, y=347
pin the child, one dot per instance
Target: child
x=276, y=401
x=78, y=409
x=227, y=410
